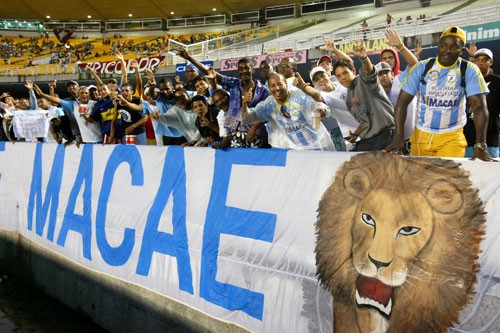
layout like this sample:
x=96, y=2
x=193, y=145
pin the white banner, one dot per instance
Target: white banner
x=30, y=124
x=115, y=67
x=231, y=233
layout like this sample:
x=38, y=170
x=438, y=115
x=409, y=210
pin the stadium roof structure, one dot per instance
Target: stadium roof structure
x=125, y=9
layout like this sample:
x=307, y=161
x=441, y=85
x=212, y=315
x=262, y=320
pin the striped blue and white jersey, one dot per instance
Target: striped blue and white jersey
x=295, y=132
x=441, y=103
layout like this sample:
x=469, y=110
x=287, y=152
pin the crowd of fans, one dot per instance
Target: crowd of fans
x=23, y=51
x=420, y=110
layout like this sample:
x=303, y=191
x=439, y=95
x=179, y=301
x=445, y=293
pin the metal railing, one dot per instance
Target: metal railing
x=346, y=35
x=250, y=42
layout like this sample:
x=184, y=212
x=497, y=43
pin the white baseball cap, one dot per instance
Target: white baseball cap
x=486, y=52
x=316, y=70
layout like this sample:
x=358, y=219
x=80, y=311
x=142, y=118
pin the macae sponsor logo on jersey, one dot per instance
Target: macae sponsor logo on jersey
x=441, y=103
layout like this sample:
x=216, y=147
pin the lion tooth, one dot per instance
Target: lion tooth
x=368, y=301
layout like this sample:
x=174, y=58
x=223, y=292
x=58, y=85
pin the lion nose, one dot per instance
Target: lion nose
x=377, y=263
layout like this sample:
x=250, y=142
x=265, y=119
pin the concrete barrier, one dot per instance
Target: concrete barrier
x=114, y=304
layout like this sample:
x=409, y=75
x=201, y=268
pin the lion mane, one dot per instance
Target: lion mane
x=439, y=279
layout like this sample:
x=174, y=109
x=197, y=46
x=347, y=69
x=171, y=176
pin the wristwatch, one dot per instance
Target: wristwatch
x=481, y=145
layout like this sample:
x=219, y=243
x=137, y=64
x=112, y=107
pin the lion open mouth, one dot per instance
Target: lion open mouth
x=371, y=292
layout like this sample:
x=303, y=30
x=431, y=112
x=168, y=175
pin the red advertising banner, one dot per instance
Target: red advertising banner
x=300, y=57
x=115, y=67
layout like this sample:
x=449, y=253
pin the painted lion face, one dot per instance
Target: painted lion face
x=387, y=234
x=394, y=234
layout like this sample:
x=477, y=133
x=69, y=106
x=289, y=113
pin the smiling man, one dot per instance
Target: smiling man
x=291, y=117
x=442, y=102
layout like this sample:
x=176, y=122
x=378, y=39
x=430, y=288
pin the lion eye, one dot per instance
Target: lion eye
x=408, y=231
x=368, y=219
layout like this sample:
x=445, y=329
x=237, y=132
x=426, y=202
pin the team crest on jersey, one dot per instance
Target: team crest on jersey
x=452, y=77
x=125, y=115
x=433, y=75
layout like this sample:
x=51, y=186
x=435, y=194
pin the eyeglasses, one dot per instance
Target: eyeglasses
x=284, y=66
x=284, y=111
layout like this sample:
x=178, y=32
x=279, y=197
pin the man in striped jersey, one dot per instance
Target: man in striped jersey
x=294, y=118
x=441, y=105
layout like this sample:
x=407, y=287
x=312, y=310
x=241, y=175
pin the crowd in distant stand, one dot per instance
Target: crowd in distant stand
x=444, y=106
x=25, y=51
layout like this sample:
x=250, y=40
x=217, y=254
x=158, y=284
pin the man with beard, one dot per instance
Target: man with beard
x=294, y=119
x=441, y=105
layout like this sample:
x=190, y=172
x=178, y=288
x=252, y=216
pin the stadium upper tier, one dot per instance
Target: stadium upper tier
x=33, y=56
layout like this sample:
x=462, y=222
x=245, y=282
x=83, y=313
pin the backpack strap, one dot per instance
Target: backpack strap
x=428, y=66
x=463, y=70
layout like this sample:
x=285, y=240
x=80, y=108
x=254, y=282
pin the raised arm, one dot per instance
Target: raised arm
x=95, y=75
x=307, y=89
x=152, y=83
x=52, y=87
x=330, y=46
x=212, y=78
x=40, y=93
x=395, y=41
x=33, y=101
x=245, y=99
x=120, y=57
x=418, y=50
x=249, y=117
x=185, y=54
x=360, y=52
x=135, y=65
x=472, y=49
x=124, y=102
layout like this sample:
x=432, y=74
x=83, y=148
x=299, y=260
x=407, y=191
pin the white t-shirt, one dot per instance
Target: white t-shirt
x=338, y=110
x=90, y=132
